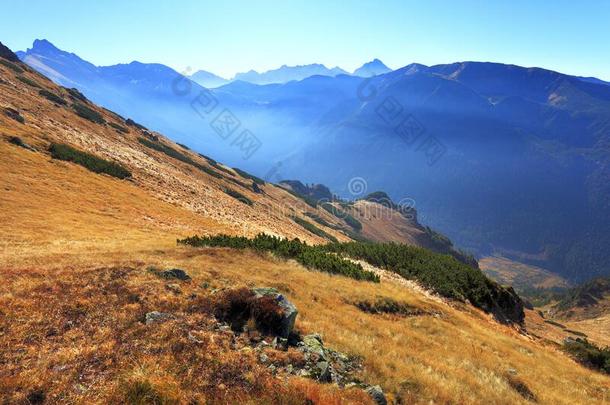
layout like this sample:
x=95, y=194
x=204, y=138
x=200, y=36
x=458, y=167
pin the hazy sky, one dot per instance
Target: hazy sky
x=226, y=37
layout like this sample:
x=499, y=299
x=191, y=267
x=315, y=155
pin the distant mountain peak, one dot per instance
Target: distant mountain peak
x=372, y=68
x=6, y=53
x=287, y=73
x=208, y=79
x=45, y=47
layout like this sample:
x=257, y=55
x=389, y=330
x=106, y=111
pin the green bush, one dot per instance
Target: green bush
x=238, y=196
x=386, y=305
x=27, y=81
x=88, y=113
x=132, y=123
x=11, y=66
x=441, y=273
x=589, y=354
x=119, y=128
x=314, y=229
x=89, y=161
x=347, y=218
x=308, y=200
x=76, y=95
x=321, y=220
x=247, y=175
x=54, y=98
x=171, y=152
x=309, y=256
x=14, y=114
x=183, y=146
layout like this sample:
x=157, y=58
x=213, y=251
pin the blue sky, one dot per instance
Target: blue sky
x=226, y=37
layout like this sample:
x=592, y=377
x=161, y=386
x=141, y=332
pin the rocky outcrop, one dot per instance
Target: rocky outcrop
x=288, y=310
x=176, y=274
x=157, y=317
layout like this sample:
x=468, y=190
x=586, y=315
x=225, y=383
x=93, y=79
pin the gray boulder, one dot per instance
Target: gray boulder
x=155, y=317
x=377, y=394
x=312, y=344
x=289, y=310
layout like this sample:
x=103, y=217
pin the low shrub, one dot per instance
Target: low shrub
x=441, y=273
x=386, y=305
x=131, y=123
x=14, y=114
x=87, y=113
x=119, y=128
x=313, y=203
x=15, y=140
x=247, y=175
x=28, y=81
x=171, y=152
x=314, y=257
x=87, y=160
x=218, y=166
x=577, y=333
x=183, y=146
x=239, y=307
x=314, y=229
x=52, y=97
x=320, y=220
x=589, y=354
x=550, y=322
x=238, y=196
x=76, y=95
x=343, y=215
x=520, y=387
x=11, y=66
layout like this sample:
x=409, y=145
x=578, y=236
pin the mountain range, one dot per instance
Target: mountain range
x=503, y=159
x=286, y=74
x=186, y=279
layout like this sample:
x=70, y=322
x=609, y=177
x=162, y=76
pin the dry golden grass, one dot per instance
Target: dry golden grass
x=73, y=289
x=460, y=357
x=520, y=275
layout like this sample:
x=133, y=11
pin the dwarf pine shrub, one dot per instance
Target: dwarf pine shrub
x=314, y=257
x=87, y=160
x=88, y=113
x=171, y=152
x=54, y=98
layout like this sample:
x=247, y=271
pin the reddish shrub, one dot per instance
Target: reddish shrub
x=267, y=314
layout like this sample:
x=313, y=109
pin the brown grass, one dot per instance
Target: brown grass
x=460, y=357
x=74, y=289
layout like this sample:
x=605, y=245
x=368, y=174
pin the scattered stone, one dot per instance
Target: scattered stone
x=175, y=288
x=263, y=358
x=280, y=343
x=155, y=317
x=15, y=140
x=324, y=371
x=377, y=394
x=289, y=310
x=194, y=339
x=313, y=345
x=170, y=274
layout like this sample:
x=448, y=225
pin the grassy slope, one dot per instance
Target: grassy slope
x=520, y=275
x=75, y=246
